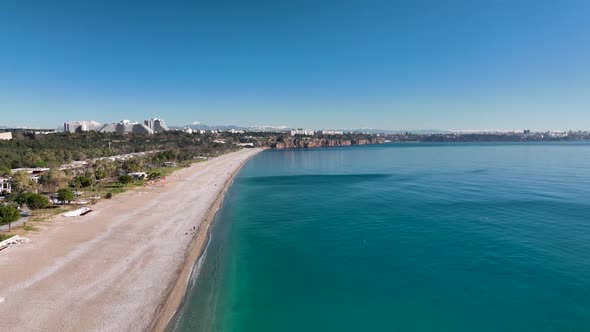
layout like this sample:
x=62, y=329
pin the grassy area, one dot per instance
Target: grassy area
x=29, y=228
x=6, y=236
x=43, y=214
x=166, y=171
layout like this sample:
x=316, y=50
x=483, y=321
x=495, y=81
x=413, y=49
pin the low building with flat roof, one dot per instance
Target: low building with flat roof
x=34, y=171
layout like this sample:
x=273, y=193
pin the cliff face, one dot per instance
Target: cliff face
x=310, y=142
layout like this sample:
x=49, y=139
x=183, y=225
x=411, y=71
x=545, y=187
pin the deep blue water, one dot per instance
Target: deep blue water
x=401, y=237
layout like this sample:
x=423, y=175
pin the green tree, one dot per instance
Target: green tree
x=4, y=171
x=100, y=174
x=8, y=215
x=22, y=182
x=66, y=195
x=133, y=165
x=125, y=179
x=104, y=169
x=22, y=198
x=82, y=181
x=54, y=180
x=32, y=201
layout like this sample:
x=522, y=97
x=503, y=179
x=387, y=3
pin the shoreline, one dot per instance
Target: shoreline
x=170, y=305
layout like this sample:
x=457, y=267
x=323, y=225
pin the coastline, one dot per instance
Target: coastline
x=126, y=265
x=177, y=291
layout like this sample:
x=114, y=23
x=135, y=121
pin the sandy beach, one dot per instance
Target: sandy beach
x=123, y=267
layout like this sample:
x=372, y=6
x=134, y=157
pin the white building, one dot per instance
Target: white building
x=5, y=136
x=5, y=186
x=156, y=125
x=126, y=127
x=187, y=130
x=332, y=132
x=80, y=126
x=302, y=132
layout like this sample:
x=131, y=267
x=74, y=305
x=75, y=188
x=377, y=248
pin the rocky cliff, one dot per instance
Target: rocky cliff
x=311, y=142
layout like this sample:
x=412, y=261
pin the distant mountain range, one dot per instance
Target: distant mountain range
x=202, y=126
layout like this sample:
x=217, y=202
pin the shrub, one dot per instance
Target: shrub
x=109, y=196
x=154, y=175
x=125, y=179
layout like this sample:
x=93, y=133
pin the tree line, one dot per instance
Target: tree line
x=54, y=150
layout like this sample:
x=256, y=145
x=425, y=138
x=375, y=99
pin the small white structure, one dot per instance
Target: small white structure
x=7, y=136
x=138, y=175
x=76, y=213
x=5, y=186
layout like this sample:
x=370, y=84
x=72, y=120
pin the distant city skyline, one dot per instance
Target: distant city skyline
x=63, y=126
x=60, y=127
x=398, y=65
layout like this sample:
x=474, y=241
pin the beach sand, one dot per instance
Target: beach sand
x=123, y=267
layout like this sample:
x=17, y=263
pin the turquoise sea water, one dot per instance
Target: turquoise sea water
x=412, y=237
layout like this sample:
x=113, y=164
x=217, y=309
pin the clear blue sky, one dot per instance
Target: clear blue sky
x=444, y=64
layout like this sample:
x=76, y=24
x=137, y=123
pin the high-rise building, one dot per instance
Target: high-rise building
x=80, y=126
x=126, y=127
x=156, y=125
